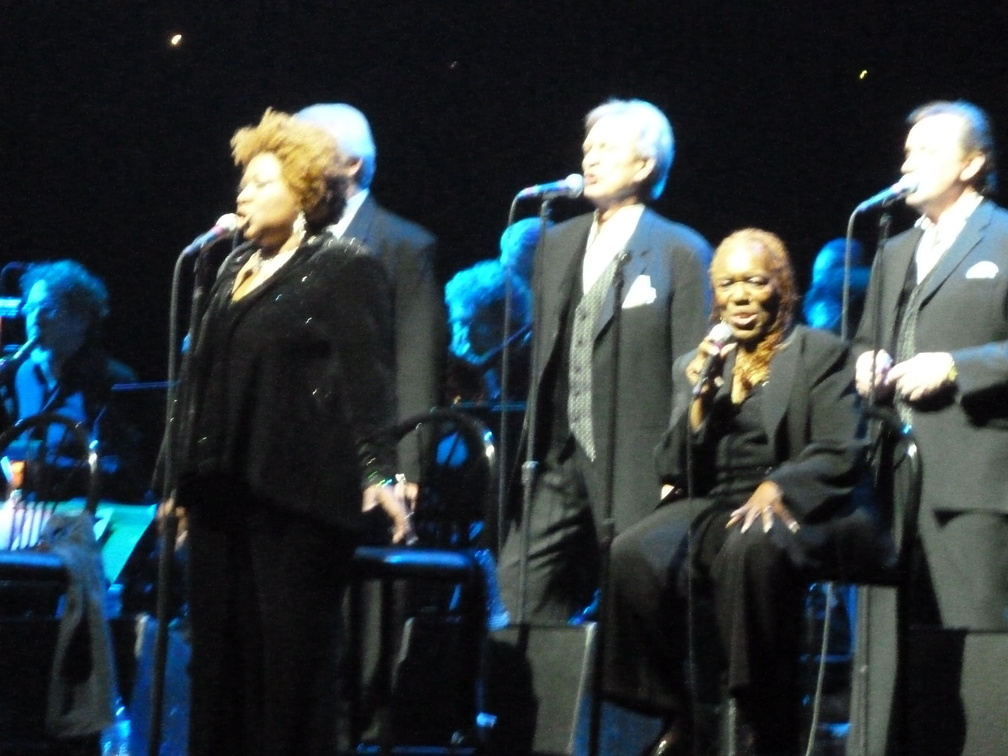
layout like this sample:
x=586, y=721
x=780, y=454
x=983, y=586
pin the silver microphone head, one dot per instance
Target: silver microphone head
x=906, y=185
x=721, y=334
x=228, y=222
x=575, y=184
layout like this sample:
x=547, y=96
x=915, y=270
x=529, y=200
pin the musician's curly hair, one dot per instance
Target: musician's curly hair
x=72, y=285
x=306, y=154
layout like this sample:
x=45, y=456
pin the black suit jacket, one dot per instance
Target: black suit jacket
x=296, y=419
x=962, y=434
x=664, y=314
x=406, y=251
x=810, y=415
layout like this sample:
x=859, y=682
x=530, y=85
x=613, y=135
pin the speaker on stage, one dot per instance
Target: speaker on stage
x=954, y=694
x=957, y=692
x=538, y=685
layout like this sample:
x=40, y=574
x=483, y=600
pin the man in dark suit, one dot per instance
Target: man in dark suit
x=937, y=314
x=420, y=325
x=943, y=359
x=406, y=250
x=578, y=353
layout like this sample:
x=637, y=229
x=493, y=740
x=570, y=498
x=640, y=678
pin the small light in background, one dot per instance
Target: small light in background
x=175, y=40
x=863, y=74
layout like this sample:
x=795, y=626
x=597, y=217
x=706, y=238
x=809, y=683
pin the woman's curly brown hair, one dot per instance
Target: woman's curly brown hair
x=306, y=154
x=752, y=368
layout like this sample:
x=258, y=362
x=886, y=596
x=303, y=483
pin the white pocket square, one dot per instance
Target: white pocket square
x=641, y=292
x=983, y=269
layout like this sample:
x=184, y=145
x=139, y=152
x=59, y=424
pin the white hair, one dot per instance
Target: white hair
x=350, y=128
x=654, y=135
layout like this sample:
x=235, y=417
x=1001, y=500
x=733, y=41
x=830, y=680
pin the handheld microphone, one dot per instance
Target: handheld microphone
x=886, y=197
x=14, y=361
x=572, y=187
x=720, y=335
x=225, y=226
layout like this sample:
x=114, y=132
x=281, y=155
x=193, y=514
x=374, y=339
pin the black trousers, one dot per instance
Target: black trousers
x=967, y=564
x=562, y=564
x=694, y=606
x=265, y=590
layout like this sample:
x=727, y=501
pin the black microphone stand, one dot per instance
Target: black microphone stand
x=899, y=726
x=530, y=467
x=691, y=618
x=502, y=407
x=884, y=224
x=169, y=519
x=845, y=289
x=607, y=527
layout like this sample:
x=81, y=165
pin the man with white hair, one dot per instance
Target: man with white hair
x=577, y=396
x=407, y=252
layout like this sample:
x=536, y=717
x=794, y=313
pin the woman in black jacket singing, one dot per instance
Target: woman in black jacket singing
x=287, y=380
x=769, y=425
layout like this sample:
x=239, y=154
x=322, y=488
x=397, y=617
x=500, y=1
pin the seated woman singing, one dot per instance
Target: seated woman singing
x=761, y=461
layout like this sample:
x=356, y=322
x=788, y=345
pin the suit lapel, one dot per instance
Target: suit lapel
x=567, y=272
x=637, y=248
x=360, y=224
x=896, y=272
x=969, y=237
x=778, y=390
x=558, y=273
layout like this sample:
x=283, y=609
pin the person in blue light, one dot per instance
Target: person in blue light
x=65, y=369
x=477, y=298
x=822, y=306
x=518, y=245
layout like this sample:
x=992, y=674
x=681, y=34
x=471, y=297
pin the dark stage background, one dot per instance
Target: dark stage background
x=114, y=143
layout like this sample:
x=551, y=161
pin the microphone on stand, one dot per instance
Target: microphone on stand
x=14, y=361
x=226, y=225
x=720, y=335
x=571, y=187
x=899, y=190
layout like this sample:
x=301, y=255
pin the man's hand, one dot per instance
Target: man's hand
x=766, y=503
x=922, y=375
x=166, y=508
x=407, y=490
x=863, y=374
x=392, y=499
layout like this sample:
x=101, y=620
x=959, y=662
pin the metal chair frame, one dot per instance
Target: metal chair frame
x=894, y=448
x=451, y=566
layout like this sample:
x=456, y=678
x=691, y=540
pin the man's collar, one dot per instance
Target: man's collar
x=628, y=214
x=353, y=204
x=956, y=214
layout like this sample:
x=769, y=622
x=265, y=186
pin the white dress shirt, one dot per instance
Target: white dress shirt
x=352, y=206
x=608, y=240
x=939, y=236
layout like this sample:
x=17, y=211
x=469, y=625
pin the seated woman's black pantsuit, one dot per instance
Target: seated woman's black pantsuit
x=742, y=589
